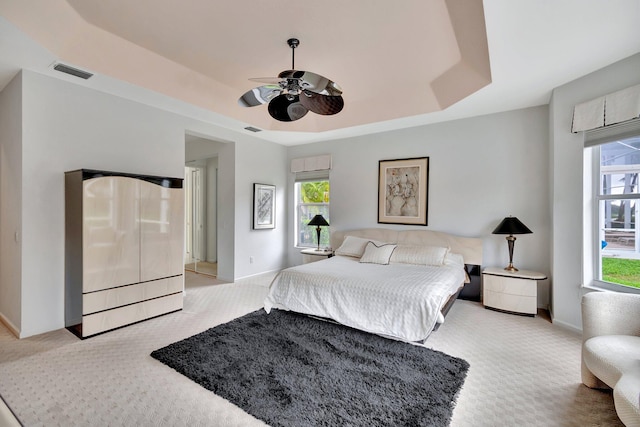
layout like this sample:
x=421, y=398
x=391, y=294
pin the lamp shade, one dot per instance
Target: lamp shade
x=318, y=220
x=511, y=225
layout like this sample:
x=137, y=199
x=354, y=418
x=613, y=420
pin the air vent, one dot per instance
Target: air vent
x=73, y=71
x=252, y=129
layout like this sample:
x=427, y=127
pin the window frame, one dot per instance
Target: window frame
x=594, y=140
x=301, y=178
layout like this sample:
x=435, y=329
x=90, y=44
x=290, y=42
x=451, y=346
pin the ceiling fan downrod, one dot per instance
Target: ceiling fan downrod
x=293, y=44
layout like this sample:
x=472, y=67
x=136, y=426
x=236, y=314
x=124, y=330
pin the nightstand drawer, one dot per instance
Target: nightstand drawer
x=510, y=285
x=507, y=302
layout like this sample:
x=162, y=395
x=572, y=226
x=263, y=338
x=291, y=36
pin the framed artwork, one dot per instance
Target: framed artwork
x=403, y=190
x=264, y=206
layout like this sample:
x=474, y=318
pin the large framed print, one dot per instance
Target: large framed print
x=264, y=206
x=403, y=190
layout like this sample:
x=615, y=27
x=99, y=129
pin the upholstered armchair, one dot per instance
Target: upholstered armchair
x=611, y=349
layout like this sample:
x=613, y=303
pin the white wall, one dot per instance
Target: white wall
x=566, y=159
x=268, y=246
x=68, y=126
x=480, y=170
x=10, y=200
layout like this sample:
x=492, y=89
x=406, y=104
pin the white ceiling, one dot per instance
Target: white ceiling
x=385, y=55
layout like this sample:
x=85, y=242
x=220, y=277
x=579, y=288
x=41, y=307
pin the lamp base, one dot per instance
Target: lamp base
x=510, y=267
x=511, y=240
x=318, y=233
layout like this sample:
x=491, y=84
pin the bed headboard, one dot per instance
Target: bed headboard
x=469, y=247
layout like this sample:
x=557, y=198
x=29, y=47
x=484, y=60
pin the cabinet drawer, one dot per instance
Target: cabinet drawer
x=125, y=295
x=111, y=319
x=511, y=285
x=515, y=303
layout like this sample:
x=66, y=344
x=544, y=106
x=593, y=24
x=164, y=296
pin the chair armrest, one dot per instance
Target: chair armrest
x=610, y=313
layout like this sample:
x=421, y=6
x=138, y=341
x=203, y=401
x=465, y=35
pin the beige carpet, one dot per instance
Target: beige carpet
x=524, y=371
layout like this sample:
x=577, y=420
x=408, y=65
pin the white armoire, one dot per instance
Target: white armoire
x=123, y=249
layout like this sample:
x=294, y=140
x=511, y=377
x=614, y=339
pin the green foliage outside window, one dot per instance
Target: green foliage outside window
x=315, y=192
x=622, y=271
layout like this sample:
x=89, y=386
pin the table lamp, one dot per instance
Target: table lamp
x=318, y=221
x=511, y=225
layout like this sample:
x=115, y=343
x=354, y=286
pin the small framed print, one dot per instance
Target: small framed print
x=403, y=191
x=264, y=206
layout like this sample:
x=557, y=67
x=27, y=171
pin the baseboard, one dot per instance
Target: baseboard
x=264, y=273
x=565, y=325
x=6, y=322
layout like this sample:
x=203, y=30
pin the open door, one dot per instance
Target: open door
x=201, y=217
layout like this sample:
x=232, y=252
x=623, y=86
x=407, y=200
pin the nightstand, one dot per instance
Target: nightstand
x=511, y=291
x=311, y=255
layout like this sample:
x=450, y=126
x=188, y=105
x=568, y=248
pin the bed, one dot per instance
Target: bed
x=394, y=283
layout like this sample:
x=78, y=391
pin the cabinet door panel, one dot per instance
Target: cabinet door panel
x=162, y=231
x=110, y=233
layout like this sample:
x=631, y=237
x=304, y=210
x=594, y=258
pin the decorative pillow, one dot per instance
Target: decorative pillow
x=420, y=255
x=374, y=254
x=354, y=246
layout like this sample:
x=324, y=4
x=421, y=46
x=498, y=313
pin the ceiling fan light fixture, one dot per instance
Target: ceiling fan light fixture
x=287, y=108
x=321, y=95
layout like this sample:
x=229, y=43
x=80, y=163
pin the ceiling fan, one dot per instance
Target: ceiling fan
x=294, y=93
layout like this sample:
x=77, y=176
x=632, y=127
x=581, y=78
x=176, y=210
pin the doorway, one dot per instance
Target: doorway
x=201, y=180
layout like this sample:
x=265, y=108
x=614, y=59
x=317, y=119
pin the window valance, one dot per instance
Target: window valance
x=616, y=107
x=309, y=164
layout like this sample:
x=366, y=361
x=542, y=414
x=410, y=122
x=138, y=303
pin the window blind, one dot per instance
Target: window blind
x=312, y=176
x=612, y=133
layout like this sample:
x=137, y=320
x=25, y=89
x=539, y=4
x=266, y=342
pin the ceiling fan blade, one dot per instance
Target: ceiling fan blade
x=287, y=108
x=325, y=105
x=259, y=95
x=313, y=82
x=269, y=80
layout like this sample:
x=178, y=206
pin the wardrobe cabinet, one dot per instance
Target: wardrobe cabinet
x=124, y=237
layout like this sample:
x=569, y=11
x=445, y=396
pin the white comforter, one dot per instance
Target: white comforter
x=402, y=301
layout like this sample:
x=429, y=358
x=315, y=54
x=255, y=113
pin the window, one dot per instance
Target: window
x=616, y=209
x=312, y=198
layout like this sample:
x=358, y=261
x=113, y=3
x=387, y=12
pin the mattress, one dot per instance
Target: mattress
x=402, y=301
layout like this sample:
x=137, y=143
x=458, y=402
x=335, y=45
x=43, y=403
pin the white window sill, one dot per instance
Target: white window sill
x=610, y=287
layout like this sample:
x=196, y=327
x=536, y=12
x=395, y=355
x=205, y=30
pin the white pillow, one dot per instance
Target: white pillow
x=420, y=255
x=454, y=260
x=354, y=246
x=374, y=254
x=457, y=260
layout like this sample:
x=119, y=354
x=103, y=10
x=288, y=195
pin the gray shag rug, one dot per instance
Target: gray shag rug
x=292, y=370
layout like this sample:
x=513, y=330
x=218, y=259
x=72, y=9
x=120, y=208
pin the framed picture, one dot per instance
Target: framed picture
x=403, y=191
x=264, y=206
